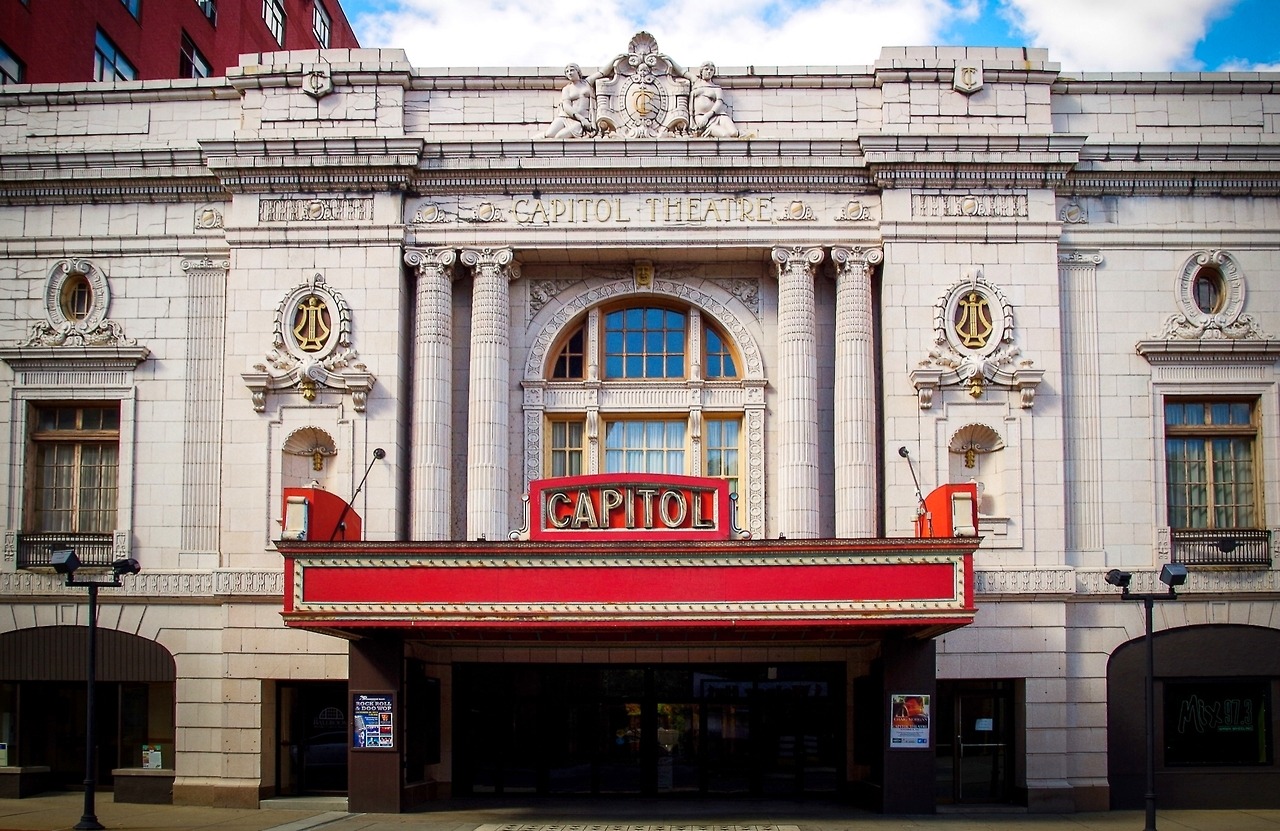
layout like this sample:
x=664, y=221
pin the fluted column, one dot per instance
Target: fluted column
x=432, y=418
x=489, y=407
x=798, y=391
x=857, y=476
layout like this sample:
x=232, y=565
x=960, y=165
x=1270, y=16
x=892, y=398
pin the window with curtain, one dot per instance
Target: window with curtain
x=1210, y=455
x=76, y=468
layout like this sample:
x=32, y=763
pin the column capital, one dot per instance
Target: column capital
x=487, y=257
x=428, y=259
x=856, y=256
x=796, y=256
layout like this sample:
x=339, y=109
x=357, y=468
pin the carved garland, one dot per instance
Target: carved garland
x=973, y=345
x=311, y=348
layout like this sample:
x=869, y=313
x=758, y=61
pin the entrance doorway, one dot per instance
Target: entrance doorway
x=311, y=717
x=651, y=730
x=975, y=761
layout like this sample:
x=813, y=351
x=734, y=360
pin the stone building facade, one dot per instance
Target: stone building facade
x=835, y=288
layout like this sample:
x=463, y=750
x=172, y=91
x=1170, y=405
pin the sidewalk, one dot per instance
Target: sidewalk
x=58, y=811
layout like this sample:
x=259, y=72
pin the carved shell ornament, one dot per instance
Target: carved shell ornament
x=311, y=348
x=973, y=345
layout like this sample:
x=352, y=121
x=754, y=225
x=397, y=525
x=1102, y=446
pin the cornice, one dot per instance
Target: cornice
x=1210, y=351
x=106, y=176
x=1208, y=182
x=955, y=161
x=313, y=165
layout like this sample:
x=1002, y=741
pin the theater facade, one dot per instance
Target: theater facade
x=644, y=430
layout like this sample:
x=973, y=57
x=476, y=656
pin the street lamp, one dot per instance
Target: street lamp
x=1172, y=575
x=66, y=562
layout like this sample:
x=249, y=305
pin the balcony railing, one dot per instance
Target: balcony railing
x=1222, y=546
x=94, y=550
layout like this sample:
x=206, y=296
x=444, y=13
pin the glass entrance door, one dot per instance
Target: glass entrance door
x=313, y=739
x=660, y=730
x=975, y=742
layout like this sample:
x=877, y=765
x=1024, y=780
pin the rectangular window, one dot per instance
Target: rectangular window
x=192, y=64
x=721, y=444
x=1217, y=723
x=321, y=23
x=75, y=468
x=134, y=7
x=108, y=62
x=1211, y=463
x=12, y=70
x=566, y=448
x=273, y=14
x=650, y=446
x=210, y=10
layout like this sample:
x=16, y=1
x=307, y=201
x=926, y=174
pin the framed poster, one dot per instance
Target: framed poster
x=373, y=717
x=909, y=721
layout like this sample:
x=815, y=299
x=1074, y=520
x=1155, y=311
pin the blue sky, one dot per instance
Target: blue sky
x=1081, y=35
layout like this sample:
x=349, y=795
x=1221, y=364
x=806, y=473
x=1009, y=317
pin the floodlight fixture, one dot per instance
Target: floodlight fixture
x=1119, y=579
x=64, y=561
x=1173, y=575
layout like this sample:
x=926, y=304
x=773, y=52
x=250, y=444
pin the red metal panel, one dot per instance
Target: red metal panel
x=628, y=584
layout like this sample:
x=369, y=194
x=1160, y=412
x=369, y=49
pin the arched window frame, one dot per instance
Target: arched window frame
x=594, y=400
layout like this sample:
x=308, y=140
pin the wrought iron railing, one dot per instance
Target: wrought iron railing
x=93, y=550
x=1221, y=546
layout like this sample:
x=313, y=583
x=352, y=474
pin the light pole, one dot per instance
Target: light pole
x=1172, y=575
x=66, y=562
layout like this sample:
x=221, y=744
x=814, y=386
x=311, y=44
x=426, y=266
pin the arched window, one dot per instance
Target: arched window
x=666, y=395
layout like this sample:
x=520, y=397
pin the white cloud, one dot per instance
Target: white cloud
x=1116, y=35
x=438, y=33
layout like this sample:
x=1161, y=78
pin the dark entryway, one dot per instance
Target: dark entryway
x=312, y=731
x=975, y=735
x=1216, y=687
x=652, y=730
x=43, y=691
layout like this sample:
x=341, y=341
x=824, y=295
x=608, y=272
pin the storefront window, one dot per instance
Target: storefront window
x=1217, y=723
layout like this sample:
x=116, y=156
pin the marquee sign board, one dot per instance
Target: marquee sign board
x=624, y=506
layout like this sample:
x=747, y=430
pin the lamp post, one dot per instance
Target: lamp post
x=1172, y=575
x=66, y=562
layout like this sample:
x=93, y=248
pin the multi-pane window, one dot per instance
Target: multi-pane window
x=321, y=24
x=570, y=361
x=719, y=358
x=1210, y=452
x=109, y=64
x=565, y=447
x=645, y=446
x=646, y=366
x=273, y=14
x=134, y=6
x=210, y=10
x=76, y=468
x=644, y=343
x=192, y=64
x=721, y=447
x=12, y=70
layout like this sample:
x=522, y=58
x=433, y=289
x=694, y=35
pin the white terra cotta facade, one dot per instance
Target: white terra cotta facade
x=1015, y=273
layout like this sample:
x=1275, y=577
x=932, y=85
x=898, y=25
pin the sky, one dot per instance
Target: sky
x=1081, y=35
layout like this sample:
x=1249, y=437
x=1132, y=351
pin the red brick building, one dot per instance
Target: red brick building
x=61, y=41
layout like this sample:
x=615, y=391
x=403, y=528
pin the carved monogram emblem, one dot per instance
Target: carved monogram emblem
x=643, y=93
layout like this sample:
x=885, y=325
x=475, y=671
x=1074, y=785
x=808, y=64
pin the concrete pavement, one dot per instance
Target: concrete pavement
x=57, y=811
